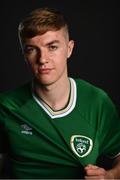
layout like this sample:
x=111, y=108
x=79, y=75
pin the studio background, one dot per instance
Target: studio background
x=94, y=27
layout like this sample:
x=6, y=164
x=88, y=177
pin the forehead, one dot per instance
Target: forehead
x=49, y=36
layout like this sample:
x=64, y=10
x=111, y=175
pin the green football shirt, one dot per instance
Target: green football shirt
x=43, y=143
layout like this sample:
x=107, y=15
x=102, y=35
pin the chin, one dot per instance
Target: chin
x=44, y=82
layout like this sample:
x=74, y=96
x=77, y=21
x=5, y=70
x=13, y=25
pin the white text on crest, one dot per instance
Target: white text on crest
x=82, y=141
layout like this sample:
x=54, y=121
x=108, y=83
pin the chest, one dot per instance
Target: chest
x=70, y=139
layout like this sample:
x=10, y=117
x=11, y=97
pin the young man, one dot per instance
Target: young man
x=56, y=126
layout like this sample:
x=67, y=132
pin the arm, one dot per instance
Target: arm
x=93, y=171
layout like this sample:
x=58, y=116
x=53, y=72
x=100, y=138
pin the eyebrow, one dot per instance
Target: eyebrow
x=28, y=45
x=52, y=42
x=47, y=44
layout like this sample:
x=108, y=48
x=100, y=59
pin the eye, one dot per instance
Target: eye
x=53, y=47
x=30, y=50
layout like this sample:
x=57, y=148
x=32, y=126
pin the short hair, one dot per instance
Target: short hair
x=41, y=20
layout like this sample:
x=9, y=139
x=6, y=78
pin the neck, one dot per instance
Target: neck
x=55, y=95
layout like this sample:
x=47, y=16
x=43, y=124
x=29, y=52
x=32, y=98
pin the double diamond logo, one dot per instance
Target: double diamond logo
x=81, y=145
x=26, y=129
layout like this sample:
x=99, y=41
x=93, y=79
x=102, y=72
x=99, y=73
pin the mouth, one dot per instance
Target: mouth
x=44, y=70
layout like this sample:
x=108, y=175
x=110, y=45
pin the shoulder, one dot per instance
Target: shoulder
x=95, y=105
x=86, y=88
x=15, y=97
x=93, y=97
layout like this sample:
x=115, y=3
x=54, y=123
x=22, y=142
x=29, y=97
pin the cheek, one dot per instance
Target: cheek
x=30, y=61
x=31, y=64
x=66, y=53
x=30, y=58
x=63, y=54
x=61, y=63
x=62, y=58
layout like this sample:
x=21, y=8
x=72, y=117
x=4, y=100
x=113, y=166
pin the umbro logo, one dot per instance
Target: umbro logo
x=26, y=129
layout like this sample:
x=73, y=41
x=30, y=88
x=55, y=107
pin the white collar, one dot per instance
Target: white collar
x=66, y=110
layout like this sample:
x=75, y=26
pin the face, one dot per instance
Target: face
x=47, y=56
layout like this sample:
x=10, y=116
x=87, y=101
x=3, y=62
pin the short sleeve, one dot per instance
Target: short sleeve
x=109, y=129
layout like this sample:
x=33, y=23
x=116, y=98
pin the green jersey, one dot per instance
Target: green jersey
x=43, y=143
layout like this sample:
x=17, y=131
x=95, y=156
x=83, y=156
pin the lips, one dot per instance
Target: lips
x=44, y=70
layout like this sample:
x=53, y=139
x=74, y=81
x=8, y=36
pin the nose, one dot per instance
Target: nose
x=43, y=57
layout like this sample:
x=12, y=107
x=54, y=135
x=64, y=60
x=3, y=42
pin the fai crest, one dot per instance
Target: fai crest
x=81, y=145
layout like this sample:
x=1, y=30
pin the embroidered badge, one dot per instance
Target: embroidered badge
x=81, y=145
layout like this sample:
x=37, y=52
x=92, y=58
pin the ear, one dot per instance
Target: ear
x=70, y=48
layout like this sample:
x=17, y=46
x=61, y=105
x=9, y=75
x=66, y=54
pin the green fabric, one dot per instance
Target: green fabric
x=40, y=147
